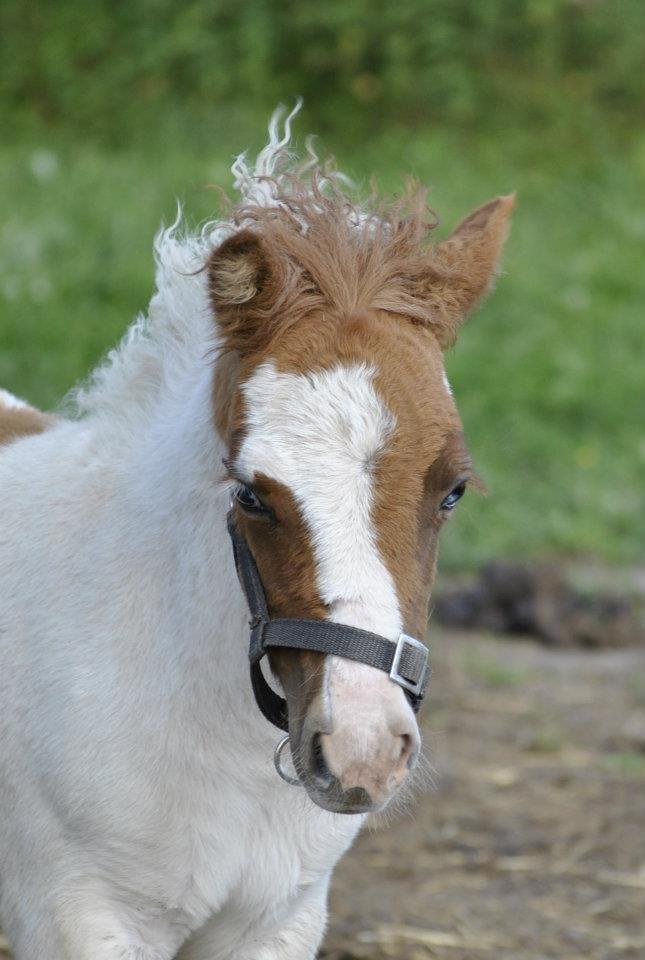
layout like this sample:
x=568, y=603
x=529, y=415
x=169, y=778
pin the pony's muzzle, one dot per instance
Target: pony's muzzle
x=355, y=755
x=374, y=774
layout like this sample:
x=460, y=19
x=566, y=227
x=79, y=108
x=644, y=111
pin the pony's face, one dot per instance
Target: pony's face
x=346, y=456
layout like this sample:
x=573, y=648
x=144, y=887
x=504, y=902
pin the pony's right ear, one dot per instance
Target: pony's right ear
x=237, y=270
x=241, y=276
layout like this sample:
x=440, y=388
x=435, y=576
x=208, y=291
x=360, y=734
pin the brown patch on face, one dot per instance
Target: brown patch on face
x=424, y=460
x=227, y=375
x=414, y=569
x=281, y=547
x=16, y=422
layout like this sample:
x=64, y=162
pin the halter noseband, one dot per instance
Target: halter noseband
x=405, y=661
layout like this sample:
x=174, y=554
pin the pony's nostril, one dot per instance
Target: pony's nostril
x=319, y=768
x=407, y=753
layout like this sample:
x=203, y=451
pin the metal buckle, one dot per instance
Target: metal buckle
x=403, y=641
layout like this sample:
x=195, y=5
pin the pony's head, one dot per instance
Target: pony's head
x=346, y=452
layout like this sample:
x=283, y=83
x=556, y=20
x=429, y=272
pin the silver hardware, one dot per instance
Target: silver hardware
x=403, y=641
x=277, y=757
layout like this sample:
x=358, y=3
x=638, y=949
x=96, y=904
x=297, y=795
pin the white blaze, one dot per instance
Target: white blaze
x=319, y=434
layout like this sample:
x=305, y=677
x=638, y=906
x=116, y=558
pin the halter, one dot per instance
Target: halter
x=405, y=660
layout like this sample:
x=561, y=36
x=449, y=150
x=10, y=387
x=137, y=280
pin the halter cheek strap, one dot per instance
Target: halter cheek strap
x=405, y=661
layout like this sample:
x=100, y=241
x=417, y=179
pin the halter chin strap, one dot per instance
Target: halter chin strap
x=405, y=661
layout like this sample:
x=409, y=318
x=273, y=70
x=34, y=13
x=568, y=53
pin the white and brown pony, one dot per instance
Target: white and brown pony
x=292, y=361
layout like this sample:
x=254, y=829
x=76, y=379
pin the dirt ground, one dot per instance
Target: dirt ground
x=530, y=845
x=530, y=842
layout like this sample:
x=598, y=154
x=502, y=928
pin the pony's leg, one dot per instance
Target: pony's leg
x=296, y=936
x=95, y=943
x=54, y=905
x=88, y=928
x=99, y=940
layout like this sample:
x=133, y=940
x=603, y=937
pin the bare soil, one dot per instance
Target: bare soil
x=531, y=844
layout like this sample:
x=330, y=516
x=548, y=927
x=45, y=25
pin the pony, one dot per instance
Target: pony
x=290, y=373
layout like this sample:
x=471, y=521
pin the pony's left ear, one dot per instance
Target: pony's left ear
x=463, y=267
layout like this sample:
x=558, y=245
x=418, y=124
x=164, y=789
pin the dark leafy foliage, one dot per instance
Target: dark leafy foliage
x=112, y=65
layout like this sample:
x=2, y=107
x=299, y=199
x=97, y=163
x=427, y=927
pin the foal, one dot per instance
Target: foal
x=141, y=817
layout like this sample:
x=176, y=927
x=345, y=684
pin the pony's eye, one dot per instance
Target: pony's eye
x=248, y=500
x=449, y=502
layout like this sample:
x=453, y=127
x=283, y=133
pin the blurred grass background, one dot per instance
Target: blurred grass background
x=112, y=110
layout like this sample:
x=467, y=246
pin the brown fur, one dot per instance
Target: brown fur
x=283, y=553
x=16, y=422
x=267, y=277
x=282, y=550
x=333, y=294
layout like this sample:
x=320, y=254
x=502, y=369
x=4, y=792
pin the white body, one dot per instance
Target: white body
x=140, y=814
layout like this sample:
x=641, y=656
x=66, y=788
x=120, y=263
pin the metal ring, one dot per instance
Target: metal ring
x=277, y=756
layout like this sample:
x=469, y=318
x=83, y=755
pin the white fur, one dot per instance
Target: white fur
x=139, y=809
x=446, y=383
x=8, y=400
x=320, y=434
x=256, y=185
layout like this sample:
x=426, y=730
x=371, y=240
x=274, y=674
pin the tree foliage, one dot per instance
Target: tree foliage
x=111, y=64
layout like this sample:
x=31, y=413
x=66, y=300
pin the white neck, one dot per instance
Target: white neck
x=187, y=619
x=151, y=421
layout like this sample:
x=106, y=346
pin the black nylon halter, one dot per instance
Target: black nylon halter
x=405, y=661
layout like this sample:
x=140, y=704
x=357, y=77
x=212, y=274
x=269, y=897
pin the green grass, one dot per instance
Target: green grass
x=549, y=375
